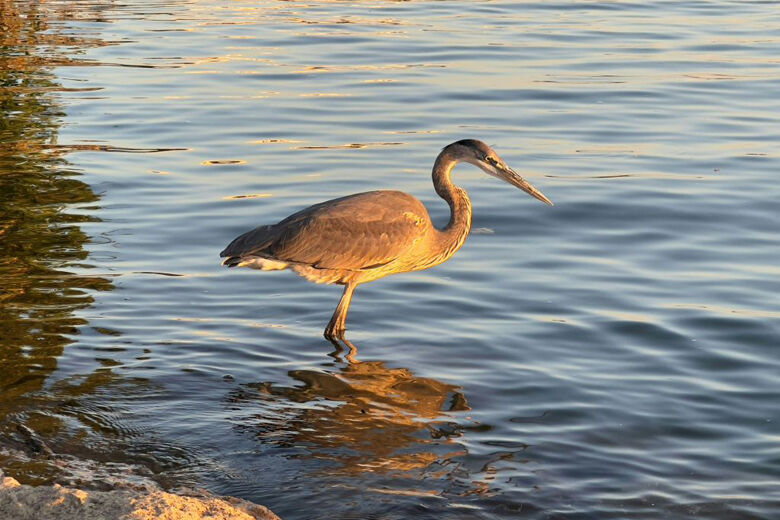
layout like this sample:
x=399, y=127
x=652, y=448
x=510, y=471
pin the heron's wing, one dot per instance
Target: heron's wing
x=355, y=232
x=250, y=242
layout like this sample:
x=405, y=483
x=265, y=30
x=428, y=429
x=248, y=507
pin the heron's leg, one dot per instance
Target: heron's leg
x=338, y=323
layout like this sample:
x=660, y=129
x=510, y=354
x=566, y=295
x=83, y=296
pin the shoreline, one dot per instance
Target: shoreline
x=101, y=491
x=56, y=502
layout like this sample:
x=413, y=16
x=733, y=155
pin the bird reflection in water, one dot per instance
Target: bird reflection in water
x=364, y=417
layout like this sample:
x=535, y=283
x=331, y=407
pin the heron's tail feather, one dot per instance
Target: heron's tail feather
x=255, y=262
x=250, y=242
x=231, y=261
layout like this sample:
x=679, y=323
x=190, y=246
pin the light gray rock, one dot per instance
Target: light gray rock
x=21, y=502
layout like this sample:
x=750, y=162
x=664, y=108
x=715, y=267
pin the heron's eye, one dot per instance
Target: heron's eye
x=491, y=160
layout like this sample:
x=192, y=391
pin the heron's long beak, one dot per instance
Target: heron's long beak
x=512, y=177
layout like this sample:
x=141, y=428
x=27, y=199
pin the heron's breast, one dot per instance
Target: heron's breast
x=325, y=275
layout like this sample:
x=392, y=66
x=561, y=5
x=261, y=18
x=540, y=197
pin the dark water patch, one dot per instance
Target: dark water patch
x=104, y=148
x=649, y=333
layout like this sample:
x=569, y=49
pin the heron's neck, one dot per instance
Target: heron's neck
x=457, y=229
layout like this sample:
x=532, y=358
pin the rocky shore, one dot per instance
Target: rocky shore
x=103, y=491
x=21, y=502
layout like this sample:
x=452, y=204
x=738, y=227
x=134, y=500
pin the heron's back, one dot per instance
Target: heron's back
x=353, y=238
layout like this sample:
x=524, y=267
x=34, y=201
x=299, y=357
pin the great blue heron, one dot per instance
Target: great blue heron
x=363, y=237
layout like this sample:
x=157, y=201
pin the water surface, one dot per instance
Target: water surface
x=613, y=356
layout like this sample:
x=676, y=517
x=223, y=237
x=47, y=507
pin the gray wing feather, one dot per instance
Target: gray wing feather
x=354, y=232
x=255, y=240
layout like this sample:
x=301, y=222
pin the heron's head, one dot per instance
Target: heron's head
x=484, y=157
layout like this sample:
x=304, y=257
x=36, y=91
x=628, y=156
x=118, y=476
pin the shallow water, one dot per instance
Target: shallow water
x=613, y=356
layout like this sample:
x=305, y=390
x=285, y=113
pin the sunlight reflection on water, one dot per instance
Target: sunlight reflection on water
x=608, y=357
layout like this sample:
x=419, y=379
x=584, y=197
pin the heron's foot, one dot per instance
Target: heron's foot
x=337, y=326
x=334, y=332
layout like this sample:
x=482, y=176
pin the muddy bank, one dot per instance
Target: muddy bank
x=21, y=502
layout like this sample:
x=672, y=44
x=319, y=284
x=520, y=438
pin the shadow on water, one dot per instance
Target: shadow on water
x=365, y=427
x=363, y=417
x=50, y=429
x=369, y=430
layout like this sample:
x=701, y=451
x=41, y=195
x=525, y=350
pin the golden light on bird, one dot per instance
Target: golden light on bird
x=366, y=236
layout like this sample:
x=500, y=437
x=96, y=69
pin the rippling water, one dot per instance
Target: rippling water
x=614, y=356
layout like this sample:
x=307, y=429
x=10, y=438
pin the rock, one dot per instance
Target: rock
x=21, y=502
